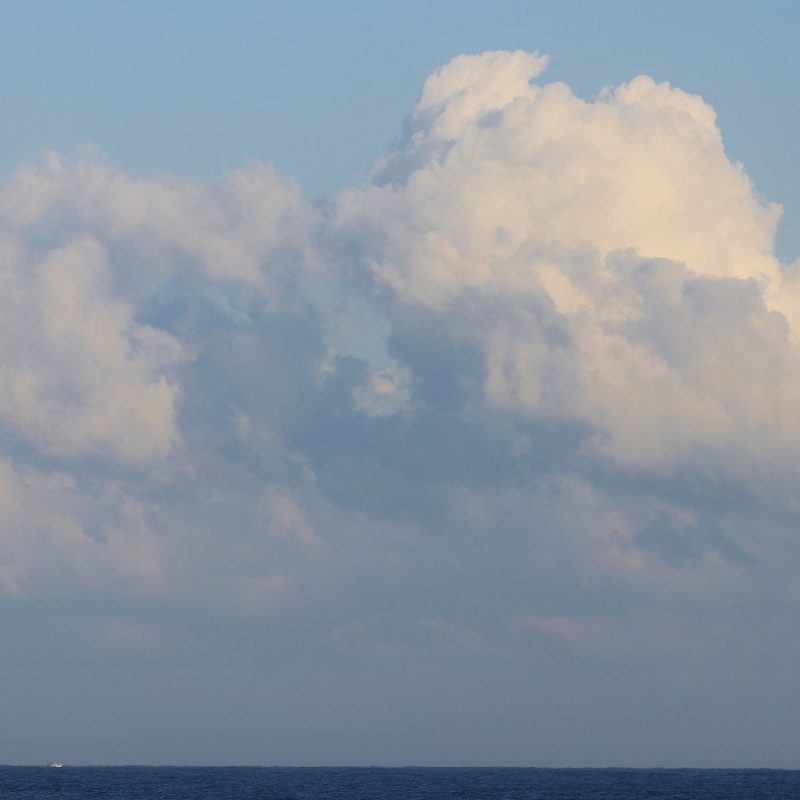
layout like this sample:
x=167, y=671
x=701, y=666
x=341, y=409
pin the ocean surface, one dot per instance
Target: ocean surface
x=346, y=783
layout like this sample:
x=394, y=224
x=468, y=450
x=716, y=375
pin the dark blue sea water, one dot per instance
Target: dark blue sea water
x=267, y=783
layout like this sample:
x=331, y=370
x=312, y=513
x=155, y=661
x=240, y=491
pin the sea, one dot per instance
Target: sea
x=408, y=783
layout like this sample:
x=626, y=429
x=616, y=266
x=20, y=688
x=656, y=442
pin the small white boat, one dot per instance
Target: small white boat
x=55, y=765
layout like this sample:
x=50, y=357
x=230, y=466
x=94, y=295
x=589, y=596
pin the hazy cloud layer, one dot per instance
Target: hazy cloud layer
x=537, y=380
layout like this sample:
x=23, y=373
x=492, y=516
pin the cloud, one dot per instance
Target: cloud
x=385, y=392
x=604, y=259
x=541, y=365
x=59, y=537
x=79, y=372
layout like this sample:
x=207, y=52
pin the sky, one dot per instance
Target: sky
x=399, y=384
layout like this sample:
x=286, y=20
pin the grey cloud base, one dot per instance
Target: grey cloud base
x=489, y=460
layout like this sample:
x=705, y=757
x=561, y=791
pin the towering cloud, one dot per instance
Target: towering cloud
x=605, y=259
x=535, y=355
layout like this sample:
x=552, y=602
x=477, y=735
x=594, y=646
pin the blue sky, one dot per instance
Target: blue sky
x=374, y=390
x=319, y=89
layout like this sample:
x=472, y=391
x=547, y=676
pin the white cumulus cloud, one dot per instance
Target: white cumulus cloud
x=607, y=260
x=530, y=362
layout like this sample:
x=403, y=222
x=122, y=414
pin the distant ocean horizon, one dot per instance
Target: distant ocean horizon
x=143, y=782
x=166, y=765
